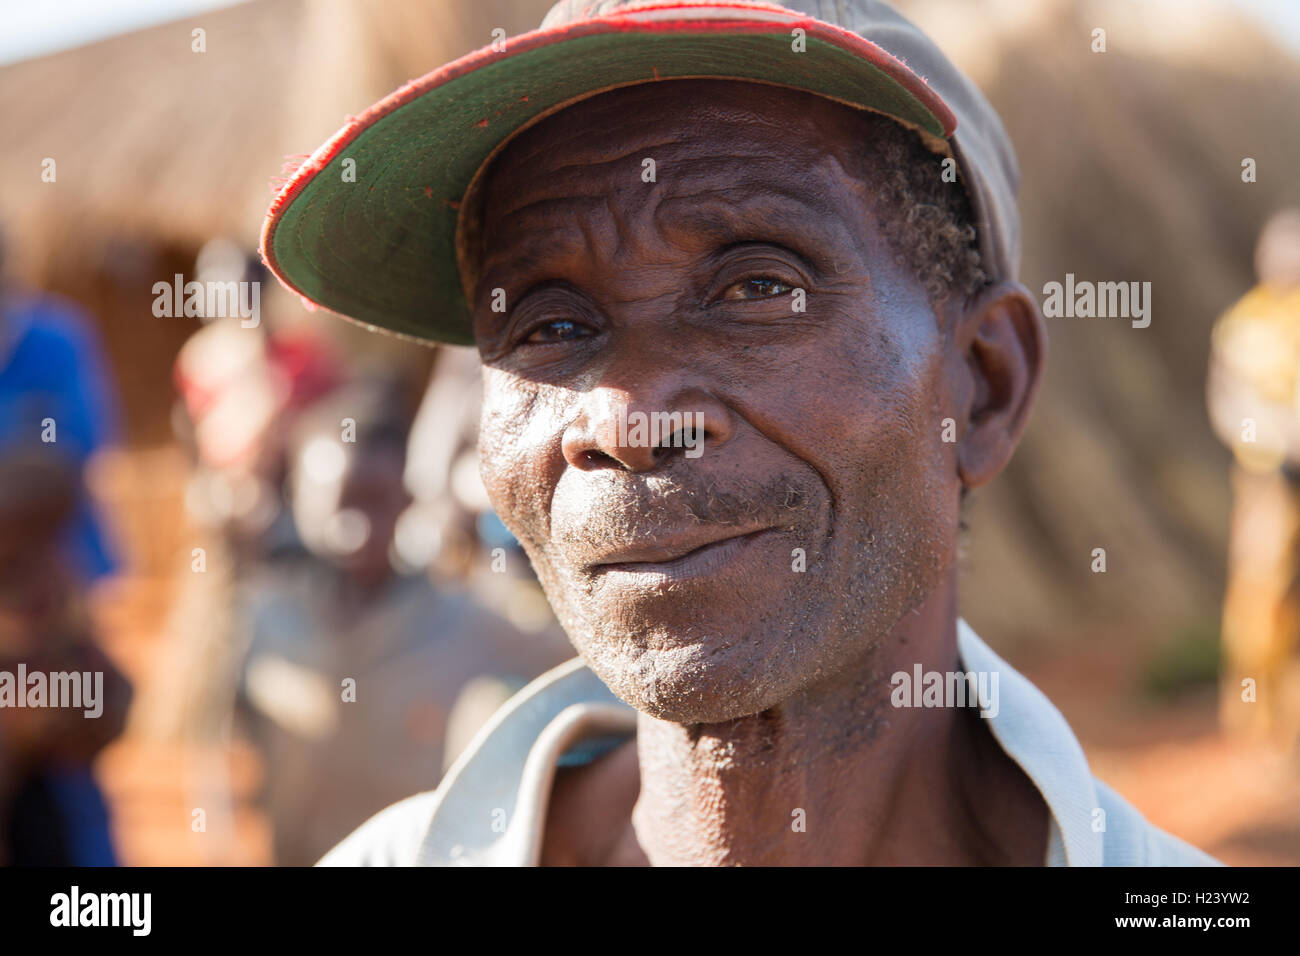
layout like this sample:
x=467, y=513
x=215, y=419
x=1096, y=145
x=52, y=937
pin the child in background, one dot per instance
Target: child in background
x=354, y=661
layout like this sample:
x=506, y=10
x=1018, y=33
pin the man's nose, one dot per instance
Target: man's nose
x=640, y=430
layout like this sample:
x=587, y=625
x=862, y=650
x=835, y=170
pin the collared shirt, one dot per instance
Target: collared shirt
x=490, y=810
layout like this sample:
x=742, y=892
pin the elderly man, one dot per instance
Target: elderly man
x=767, y=231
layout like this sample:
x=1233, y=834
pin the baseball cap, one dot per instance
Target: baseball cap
x=375, y=224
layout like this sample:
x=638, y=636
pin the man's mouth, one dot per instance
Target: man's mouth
x=673, y=558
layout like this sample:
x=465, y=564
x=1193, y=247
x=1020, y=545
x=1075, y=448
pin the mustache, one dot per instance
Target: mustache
x=631, y=508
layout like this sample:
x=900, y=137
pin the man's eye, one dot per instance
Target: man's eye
x=559, y=330
x=762, y=287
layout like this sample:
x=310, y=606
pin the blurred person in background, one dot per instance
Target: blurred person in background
x=1254, y=401
x=56, y=391
x=279, y=498
x=240, y=389
x=52, y=812
x=57, y=409
x=355, y=659
x=452, y=528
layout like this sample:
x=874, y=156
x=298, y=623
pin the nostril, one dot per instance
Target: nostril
x=598, y=459
x=690, y=439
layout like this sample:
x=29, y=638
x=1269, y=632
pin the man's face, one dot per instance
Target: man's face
x=823, y=507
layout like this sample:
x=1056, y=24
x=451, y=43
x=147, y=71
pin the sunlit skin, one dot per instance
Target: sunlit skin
x=763, y=690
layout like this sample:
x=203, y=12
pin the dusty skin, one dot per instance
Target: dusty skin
x=761, y=690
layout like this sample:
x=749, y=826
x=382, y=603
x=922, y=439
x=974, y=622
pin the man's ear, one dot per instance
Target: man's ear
x=1002, y=342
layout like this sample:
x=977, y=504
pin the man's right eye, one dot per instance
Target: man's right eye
x=558, y=330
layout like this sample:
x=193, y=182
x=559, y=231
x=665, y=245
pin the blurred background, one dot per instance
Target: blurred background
x=204, y=532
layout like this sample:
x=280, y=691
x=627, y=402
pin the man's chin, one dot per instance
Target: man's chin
x=702, y=678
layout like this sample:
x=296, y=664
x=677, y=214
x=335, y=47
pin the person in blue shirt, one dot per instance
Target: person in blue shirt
x=55, y=390
x=57, y=408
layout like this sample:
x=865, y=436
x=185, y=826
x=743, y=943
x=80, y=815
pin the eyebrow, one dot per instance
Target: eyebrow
x=540, y=242
x=783, y=218
x=788, y=219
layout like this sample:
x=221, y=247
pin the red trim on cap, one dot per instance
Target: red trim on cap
x=629, y=20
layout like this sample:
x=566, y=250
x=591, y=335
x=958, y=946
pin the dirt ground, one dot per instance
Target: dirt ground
x=1238, y=801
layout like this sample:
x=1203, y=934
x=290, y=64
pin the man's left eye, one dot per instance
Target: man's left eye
x=558, y=330
x=762, y=287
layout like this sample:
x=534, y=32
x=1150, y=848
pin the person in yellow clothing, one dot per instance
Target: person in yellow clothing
x=1254, y=402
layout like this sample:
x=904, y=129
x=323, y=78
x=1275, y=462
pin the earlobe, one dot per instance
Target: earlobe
x=1004, y=343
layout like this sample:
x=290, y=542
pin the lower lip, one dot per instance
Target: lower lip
x=701, y=563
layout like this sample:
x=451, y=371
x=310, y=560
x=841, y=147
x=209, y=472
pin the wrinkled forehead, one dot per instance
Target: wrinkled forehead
x=761, y=147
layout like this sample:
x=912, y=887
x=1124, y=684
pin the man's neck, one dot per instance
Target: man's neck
x=838, y=776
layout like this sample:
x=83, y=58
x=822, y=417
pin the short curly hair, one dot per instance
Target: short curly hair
x=926, y=220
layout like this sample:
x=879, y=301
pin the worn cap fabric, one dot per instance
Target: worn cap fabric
x=375, y=224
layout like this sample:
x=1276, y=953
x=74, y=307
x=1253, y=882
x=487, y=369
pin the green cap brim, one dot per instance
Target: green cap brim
x=368, y=226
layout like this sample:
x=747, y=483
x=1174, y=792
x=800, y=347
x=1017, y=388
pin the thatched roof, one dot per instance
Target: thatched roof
x=149, y=138
x=154, y=140
x=1131, y=171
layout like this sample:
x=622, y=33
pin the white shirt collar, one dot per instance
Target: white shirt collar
x=1035, y=735
x=509, y=768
